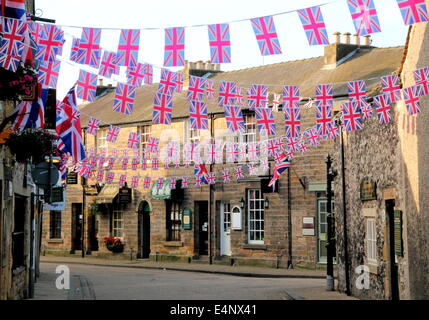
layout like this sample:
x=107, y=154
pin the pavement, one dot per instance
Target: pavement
x=314, y=288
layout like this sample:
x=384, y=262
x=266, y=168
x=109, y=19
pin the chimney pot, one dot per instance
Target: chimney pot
x=357, y=39
x=337, y=37
x=367, y=40
x=100, y=82
x=347, y=38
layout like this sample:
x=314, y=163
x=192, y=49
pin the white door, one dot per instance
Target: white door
x=225, y=228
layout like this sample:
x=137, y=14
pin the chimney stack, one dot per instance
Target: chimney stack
x=100, y=82
x=367, y=40
x=357, y=39
x=337, y=37
x=347, y=38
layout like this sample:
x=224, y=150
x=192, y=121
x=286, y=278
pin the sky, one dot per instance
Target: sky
x=160, y=14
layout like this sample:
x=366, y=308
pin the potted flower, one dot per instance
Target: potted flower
x=114, y=244
x=18, y=85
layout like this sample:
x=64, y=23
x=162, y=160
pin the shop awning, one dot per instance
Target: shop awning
x=107, y=194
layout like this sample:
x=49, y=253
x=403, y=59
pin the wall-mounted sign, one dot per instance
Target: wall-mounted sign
x=308, y=227
x=125, y=195
x=71, y=177
x=398, y=233
x=368, y=189
x=163, y=193
x=187, y=219
x=57, y=194
x=90, y=190
x=236, y=221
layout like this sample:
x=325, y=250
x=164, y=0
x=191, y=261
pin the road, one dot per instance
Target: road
x=114, y=283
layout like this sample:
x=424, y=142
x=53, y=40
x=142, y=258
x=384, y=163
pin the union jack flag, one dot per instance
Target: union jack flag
x=257, y=96
x=10, y=63
x=12, y=43
x=351, y=116
x=50, y=43
x=31, y=114
x=266, y=35
x=200, y=171
x=179, y=82
x=184, y=182
x=110, y=163
x=411, y=98
x=112, y=133
x=87, y=86
x=162, y=109
x=226, y=176
x=413, y=11
x=313, y=137
x=100, y=175
x=252, y=151
x=382, y=107
x=220, y=44
x=238, y=171
x=314, y=26
x=364, y=16
x=148, y=73
x=124, y=98
x=324, y=95
x=357, y=90
x=366, y=109
x=323, y=117
x=48, y=73
x=36, y=30
x=144, y=164
x=174, y=47
x=74, y=49
x=272, y=147
x=279, y=168
x=125, y=163
x=13, y=8
x=135, y=182
x=110, y=177
x=133, y=140
x=421, y=76
x=292, y=122
x=242, y=152
x=128, y=48
x=147, y=181
x=109, y=64
x=89, y=47
x=123, y=180
x=231, y=152
x=291, y=97
x=210, y=89
x=211, y=178
x=153, y=144
x=198, y=115
x=276, y=102
x=391, y=87
x=227, y=93
x=234, y=119
x=210, y=153
x=333, y=131
x=239, y=98
x=93, y=126
x=265, y=120
x=155, y=164
x=196, y=88
x=167, y=84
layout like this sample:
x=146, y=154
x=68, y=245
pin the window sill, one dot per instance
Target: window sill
x=255, y=246
x=175, y=244
x=55, y=240
x=373, y=268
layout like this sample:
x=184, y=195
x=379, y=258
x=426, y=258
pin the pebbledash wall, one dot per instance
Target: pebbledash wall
x=395, y=156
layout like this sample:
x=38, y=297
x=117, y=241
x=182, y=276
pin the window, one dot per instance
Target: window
x=371, y=241
x=173, y=221
x=55, y=225
x=145, y=133
x=118, y=224
x=255, y=209
x=226, y=217
x=101, y=139
x=191, y=135
x=250, y=128
x=18, y=235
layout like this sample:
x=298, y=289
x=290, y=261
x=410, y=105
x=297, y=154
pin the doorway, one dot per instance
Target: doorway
x=144, y=231
x=225, y=229
x=76, y=243
x=393, y=264
x=201, y=209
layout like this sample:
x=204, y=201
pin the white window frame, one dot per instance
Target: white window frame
x=118, y=231
x=144, y=137
x=102, y=139
x=371, y=241
x=191, y=135
x=226, y=223
x=251, y=217
x=250, y=128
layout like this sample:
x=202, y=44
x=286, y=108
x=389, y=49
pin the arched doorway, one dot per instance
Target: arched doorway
x=144, y=230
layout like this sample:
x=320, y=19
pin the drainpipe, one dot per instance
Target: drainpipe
x=83, y=206
x=289, y=211
x=211, y=196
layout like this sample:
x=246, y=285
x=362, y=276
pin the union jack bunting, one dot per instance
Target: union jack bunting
x=114, y=153
x=333, y=131
x=125, y=152
x=13, y=9
x=391, y=87
x=144, y=164
x=272, y=147
x=210, y=153
x=133, y=140
x=112, y=133
x=366, y=109
x=292, y=122
x=11, y=63
x=11, y=43
x=239, y=98
x=168, y=82
x=357, y=90
x=220, y=43
x=125, y=163
x=324, y=95
x=174, y=55
x=413, y=11
x=421, y=76
x=124, y=99
x=162, y=109
x=110, y=177
x=234, y=119
x=148, y=74
x=265, y=120
x=110, y=163
x=231, y=152
x=30, y=114
x=50, y=43
x=197, y=180
x=185, y=182
x=210, y=89
x=291, y=97
x=74, y=49
x=242, y=152
x=351, y=116
x=252, y=169
x=252, y=151
x=196, y=88
x=219, y=153
x=198, y=115
x=364, y=16
x=382, y=107
x=93, y=126
x=226, y=176
x=279, y=168
x=264, y=164
x=155, y=164
x=257, y=96
x=147, y=181
x=179, y=82
x=173, y=149
x=122, y=180
x=276, y=102
x=152, y=145
x=87, y=86
x=411, y=98
x=211, y=178
x=100, y=176
x=314, y=26
x=89, y=47
x=312, y=137
x=238, y=171
x=128, y=48
x=109, y=65
x=323, y=117
x=48, y=73
x=227, y=93
x=266, y=35
x=135, y=182
x=36, y=30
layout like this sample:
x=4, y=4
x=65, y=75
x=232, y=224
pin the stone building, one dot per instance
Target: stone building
x=278, y=229
x=382, y=226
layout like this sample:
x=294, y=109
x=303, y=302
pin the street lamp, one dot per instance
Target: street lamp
x=266, y=203
x=242, y=203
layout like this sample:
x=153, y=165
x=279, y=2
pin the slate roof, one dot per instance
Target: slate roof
x=366, y=64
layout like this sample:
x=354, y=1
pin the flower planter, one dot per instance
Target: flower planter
x=115, y=248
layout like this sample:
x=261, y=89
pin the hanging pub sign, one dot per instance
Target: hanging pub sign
x=397, y=220
x=187, y=219
x=90, y=190
x=368, y=190
x=125, y=195
x=71, y=177
x=57, y=194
